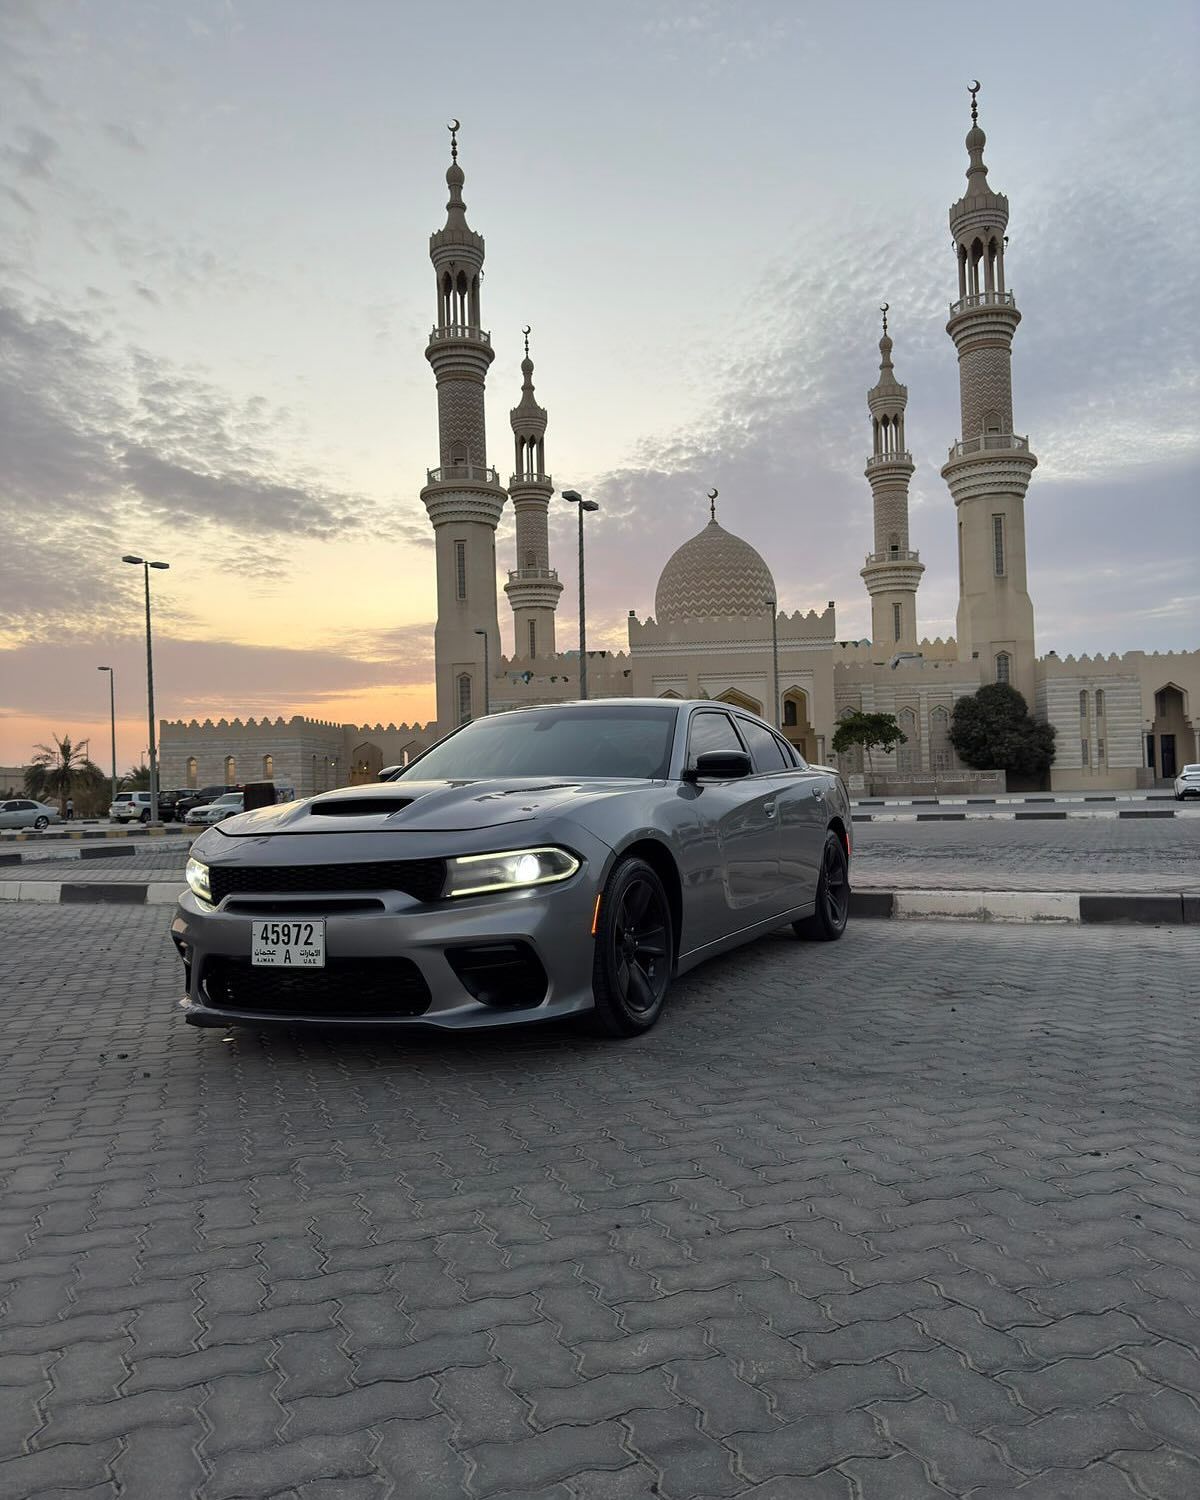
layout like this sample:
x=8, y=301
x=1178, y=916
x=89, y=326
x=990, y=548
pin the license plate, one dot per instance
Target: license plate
x=288, y=945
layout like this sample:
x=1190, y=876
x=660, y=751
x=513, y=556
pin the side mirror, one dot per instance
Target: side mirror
x=719, y=765
x=389, y=773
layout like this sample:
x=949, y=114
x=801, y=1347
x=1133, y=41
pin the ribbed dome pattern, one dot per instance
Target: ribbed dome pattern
x=713, y=574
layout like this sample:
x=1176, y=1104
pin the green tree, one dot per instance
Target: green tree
x=871, y=731
x=61, y=770
x=993, y=730
x=136, y=779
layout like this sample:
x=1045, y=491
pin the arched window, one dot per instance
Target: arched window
x=1099, y=703
x=908, y=755
x=789, y=713
x=193, y=776
x=740, y=700
x=894, y=545
x=230, y=770
x=464, y=698
x=1083, y=704
x=268, y=768
x=941, y=752
x=532, y=639
x=1003, y=666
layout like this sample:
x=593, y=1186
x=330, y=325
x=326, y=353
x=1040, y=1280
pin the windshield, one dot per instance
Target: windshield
x=624, y=740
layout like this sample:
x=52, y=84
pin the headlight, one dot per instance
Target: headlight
x=515, y=869
x=197, y=879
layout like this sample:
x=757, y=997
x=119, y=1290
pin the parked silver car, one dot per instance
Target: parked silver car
x=227, y=805
x=24, y=812
x=535, y=864
x=1187, y=783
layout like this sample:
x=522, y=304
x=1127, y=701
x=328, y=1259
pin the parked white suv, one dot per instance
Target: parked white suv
x=130, y=807
x=1187, y=783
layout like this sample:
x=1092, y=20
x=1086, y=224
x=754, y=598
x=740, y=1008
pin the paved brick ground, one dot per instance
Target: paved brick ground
x=1087, y=855
x=908, y=1216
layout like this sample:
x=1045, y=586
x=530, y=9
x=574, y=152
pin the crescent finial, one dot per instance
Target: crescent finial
x=712, y=504
x=454, y=127
x=975, y=87
x=527, y=331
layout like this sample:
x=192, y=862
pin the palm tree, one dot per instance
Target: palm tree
x=57, y=769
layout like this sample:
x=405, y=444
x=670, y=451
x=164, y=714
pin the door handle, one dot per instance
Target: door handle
x=769, y=809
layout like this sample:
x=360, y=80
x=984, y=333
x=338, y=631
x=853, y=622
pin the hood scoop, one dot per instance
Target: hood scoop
x=358, y=807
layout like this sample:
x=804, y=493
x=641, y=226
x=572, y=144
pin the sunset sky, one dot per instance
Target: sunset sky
x=215, y=294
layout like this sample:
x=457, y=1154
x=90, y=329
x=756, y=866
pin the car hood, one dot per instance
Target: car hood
x=428, y=806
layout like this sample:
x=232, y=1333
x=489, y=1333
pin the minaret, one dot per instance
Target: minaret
x=533, y=587
x=989, y=468
x=893, y=571
x=463, y=496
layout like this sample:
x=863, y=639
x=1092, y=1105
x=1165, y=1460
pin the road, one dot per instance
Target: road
x=911, y=1215
x=1091, y=854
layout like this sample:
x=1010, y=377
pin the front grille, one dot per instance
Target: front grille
x=421, y=878
x=346, y=989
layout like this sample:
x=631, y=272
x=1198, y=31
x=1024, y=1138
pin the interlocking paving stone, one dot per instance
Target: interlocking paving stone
x=957, y=1459
x=1069, y=1439
x=1166, y=1474
x=793, y=1217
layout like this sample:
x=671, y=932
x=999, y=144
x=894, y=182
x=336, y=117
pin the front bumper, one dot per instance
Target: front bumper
x=554, y=922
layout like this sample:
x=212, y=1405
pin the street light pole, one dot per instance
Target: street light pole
x=145, y=566
x=773, y=606
x=487, y=675
x=112, y=720
x=577, y=499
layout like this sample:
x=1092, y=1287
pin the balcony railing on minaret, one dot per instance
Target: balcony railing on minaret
x=983, y=299
x=989, y=442
x=442, y=332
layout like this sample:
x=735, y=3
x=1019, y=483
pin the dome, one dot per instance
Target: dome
x=713, y=574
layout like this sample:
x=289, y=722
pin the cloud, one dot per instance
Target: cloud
x=123, y=136
x=95, y=435
x=205, y=678
x=34, y=155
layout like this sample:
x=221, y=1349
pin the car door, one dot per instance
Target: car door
x=799, y=812
x=10, y=815
x=737, y=854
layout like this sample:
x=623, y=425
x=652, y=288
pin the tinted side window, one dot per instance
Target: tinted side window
x=764, y=747
x=711, y=731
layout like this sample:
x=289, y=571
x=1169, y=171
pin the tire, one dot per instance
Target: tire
x=145, y=816
x=41, y=821
x=828, y=922
x=634, y=951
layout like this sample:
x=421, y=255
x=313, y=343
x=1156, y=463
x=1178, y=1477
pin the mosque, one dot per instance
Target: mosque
x=719, y=628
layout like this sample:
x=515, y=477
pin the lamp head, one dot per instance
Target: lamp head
x=129, y=558
x=103, y=669
x=160, y=565
x=573, y=495
x=589, y=505
x=480, y=632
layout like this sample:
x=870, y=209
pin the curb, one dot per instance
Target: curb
x=1071, y=907
x=119, y=892
x=1178, y=909
x=64, y=835
x=93, y=851
x=1009, y=814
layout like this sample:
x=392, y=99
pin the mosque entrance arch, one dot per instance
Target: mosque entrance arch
x=365, y=763
x=1172, y=741
x=797, y=722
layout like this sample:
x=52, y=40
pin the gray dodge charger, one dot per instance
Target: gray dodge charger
x=532, y=865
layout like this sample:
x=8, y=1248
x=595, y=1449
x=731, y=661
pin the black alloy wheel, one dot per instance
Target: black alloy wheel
x=41, y=821
x=634, y=951
x=828, y=921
